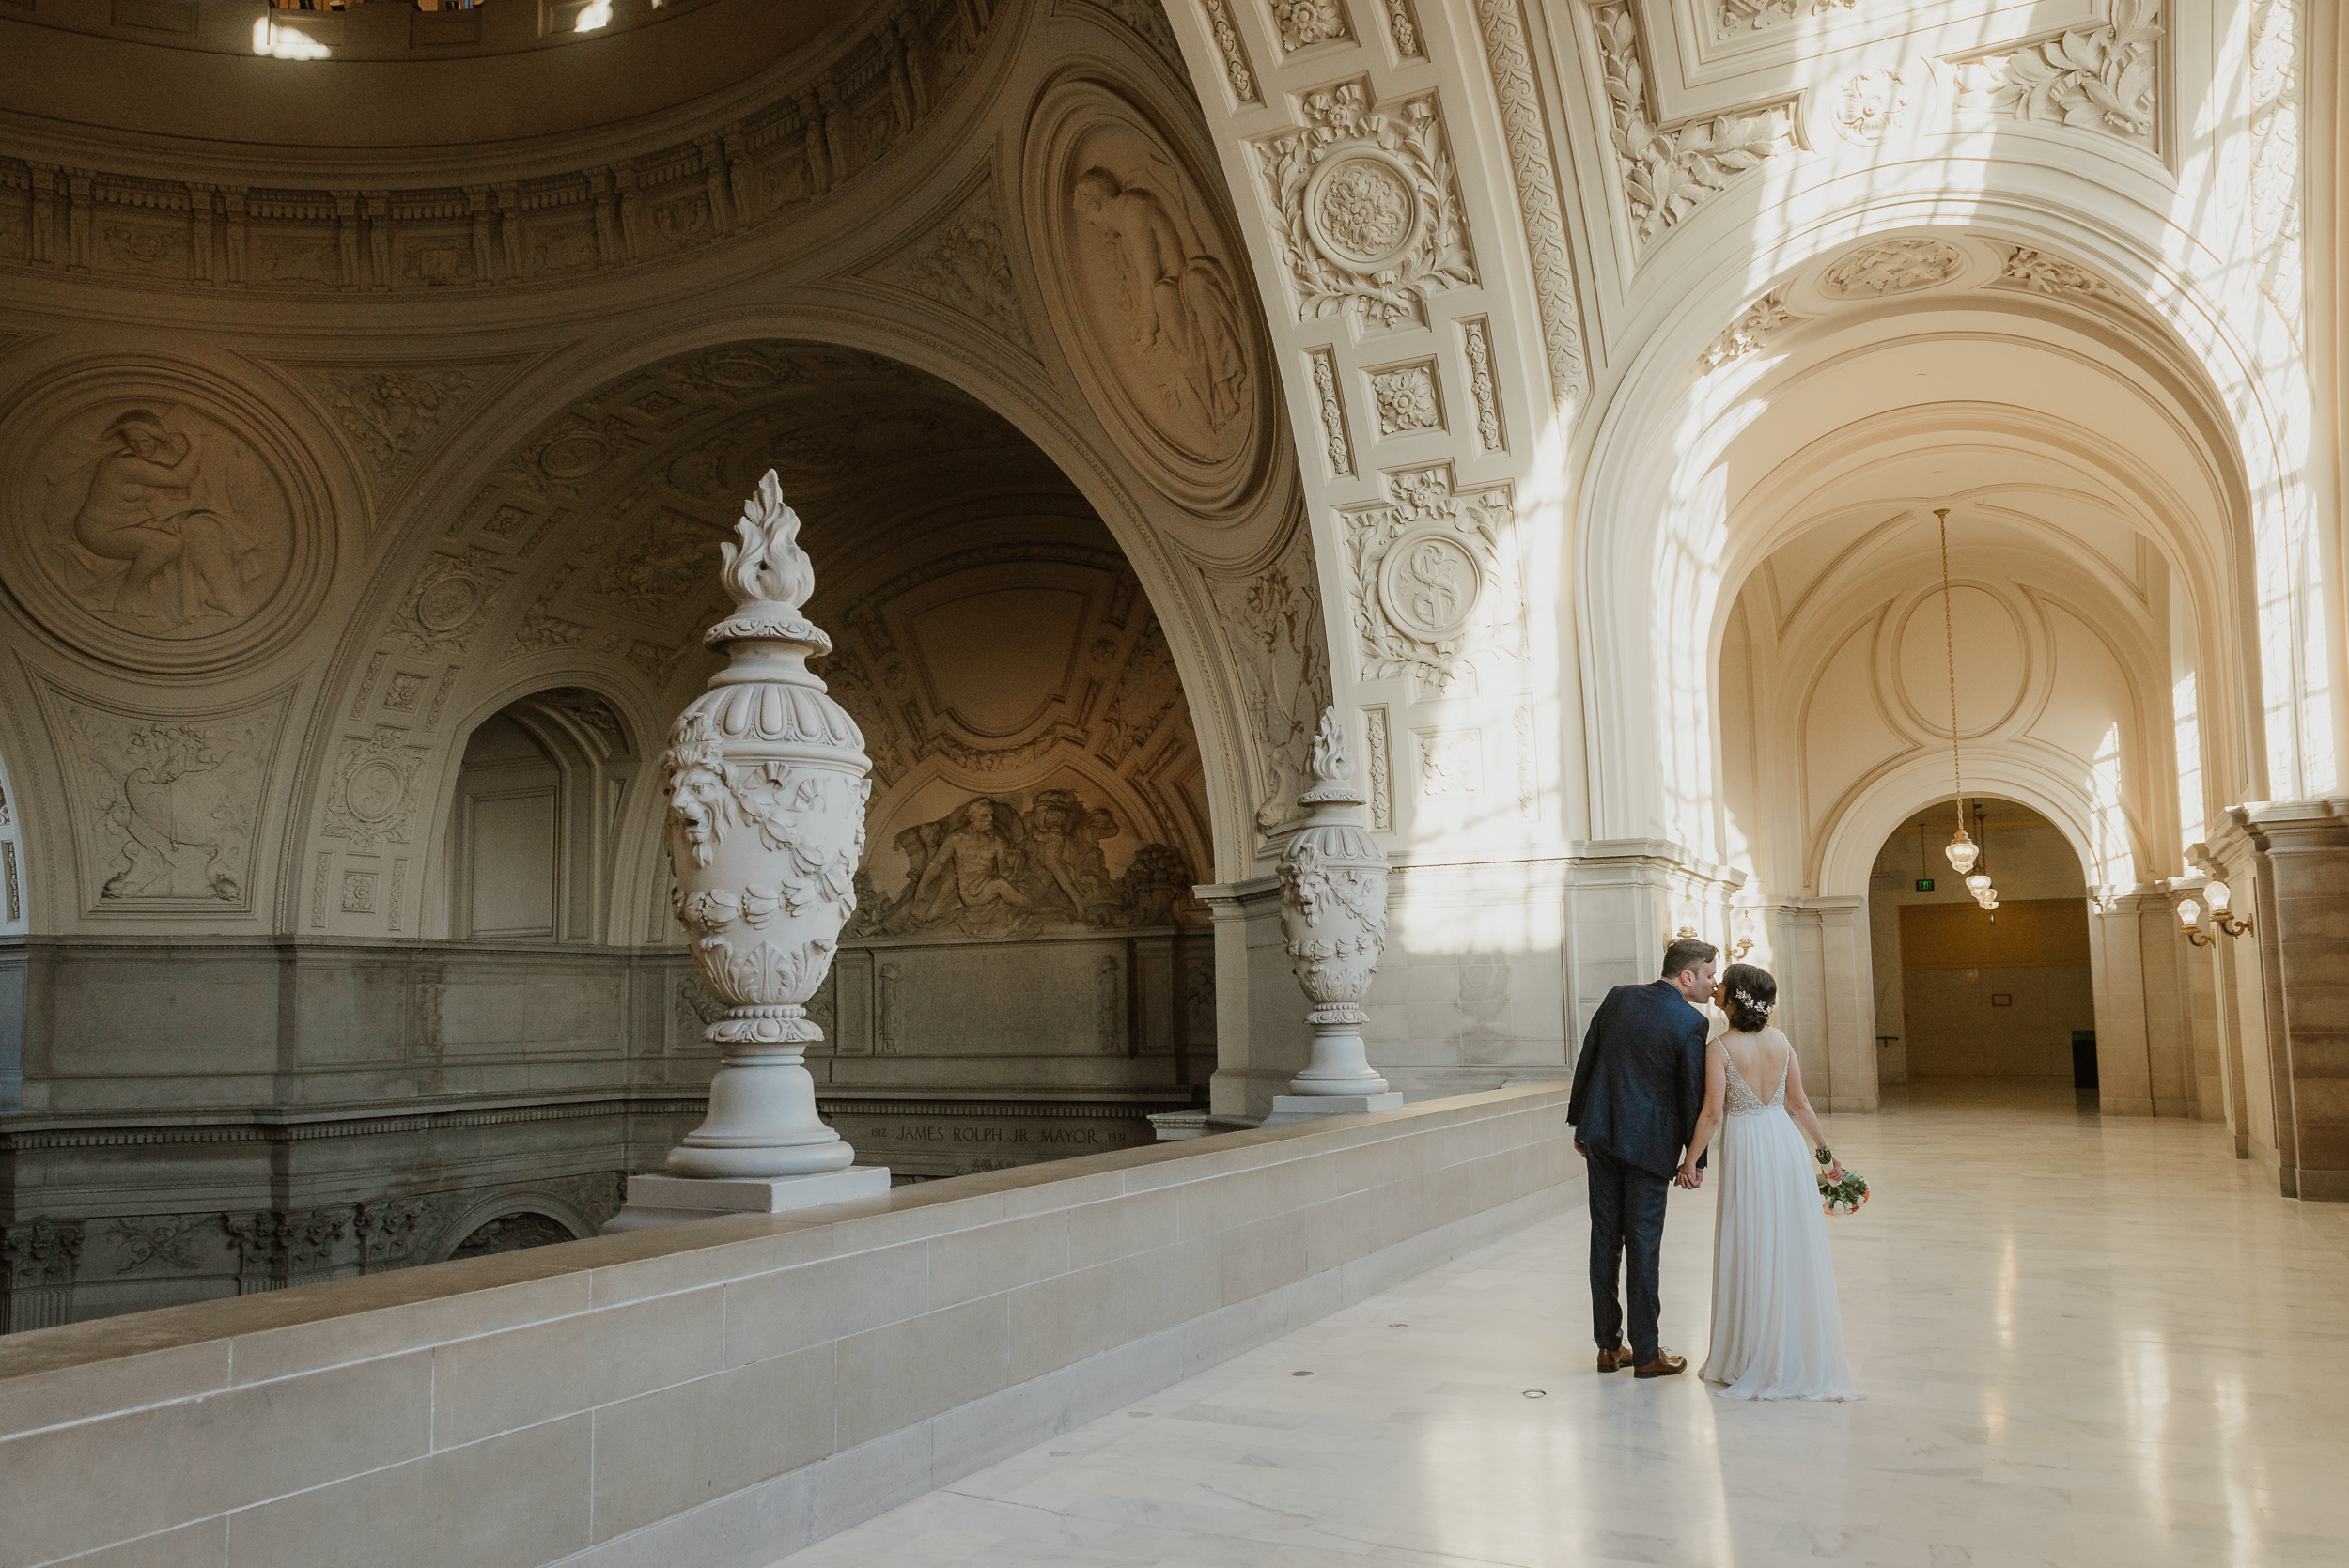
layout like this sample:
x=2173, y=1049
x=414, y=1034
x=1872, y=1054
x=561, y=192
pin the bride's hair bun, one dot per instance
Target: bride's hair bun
x=1752, y=993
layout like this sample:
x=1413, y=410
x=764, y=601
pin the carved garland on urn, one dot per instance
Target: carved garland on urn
x=1333, y=916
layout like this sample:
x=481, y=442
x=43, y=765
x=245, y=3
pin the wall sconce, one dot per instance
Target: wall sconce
x=2190, y=912
x=1743, y=928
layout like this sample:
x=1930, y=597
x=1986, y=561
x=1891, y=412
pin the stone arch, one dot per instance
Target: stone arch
x=1661, y=550
x=1192, y=596
x=534, y=1204
x=1870, y=816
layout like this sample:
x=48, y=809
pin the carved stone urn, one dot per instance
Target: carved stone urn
x=767, y=783
x=1333, y=911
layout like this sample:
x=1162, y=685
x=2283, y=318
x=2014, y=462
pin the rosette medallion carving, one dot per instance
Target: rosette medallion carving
x=1334, y=913
x=767, y=779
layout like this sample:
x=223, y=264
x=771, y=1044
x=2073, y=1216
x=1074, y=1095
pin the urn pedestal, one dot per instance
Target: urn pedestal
x=1333, y=914
x=767, y=783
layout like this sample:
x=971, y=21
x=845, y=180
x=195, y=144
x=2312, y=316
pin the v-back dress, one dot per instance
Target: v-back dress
x=1777, y=1332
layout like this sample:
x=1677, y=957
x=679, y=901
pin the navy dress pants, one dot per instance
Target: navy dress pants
x=1627, y=1218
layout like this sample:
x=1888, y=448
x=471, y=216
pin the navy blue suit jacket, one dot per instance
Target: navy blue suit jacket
x=1639, y=1084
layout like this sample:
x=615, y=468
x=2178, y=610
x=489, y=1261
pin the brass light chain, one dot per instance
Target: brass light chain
x=1949, y=650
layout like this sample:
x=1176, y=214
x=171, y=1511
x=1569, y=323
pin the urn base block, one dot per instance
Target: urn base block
x=658, y=1200
x=1304, y=1108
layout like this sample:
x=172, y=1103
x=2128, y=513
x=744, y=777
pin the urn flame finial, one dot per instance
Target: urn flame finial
x=768, y=566
x=1332, y=765
x=768, y=574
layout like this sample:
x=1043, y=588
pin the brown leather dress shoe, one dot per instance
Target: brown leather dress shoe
x=1616, y=1359
x=1665, y=1365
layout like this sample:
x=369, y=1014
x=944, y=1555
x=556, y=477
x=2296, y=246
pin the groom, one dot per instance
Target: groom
x=1638, y=1087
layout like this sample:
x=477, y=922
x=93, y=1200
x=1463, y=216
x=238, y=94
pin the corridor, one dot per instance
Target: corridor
x=2082, y=1341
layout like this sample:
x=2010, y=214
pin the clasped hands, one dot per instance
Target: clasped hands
x=1689, y=1177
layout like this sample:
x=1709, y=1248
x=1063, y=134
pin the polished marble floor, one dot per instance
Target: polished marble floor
x=2082, y=1341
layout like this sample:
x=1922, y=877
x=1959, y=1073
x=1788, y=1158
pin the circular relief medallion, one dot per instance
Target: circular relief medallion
x=574, y=457
x=449, y=604
x=1361, y=212
x=1429, y=585
x=1147, y=291
x=151, y=526
x=373, y=790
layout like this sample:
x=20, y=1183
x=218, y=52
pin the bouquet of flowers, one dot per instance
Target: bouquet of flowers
x=1845, y=1194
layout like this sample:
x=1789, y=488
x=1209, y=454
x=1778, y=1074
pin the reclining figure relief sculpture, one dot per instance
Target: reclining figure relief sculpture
x=768, y=782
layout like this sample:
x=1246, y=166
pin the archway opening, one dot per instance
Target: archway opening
x=1975, y=1002
x=1028, y=972
x=533, y=826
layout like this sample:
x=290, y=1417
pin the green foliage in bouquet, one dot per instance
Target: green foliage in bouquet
x=1846, y=1196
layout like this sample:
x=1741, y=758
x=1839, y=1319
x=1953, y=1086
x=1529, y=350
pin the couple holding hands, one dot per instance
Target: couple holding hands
x=1652, y=1099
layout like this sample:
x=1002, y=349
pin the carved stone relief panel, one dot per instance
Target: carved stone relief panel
x=371, y=797
x=1302, y=24
x=1871, y=105
x=1274, y=618
x=1332, y=406
x=1367, y=206
x=1732, y=17
x=2102, y=78
x=1894, y=267
x=165, y=806
x=393, y=416
x=1408, y=398
x=1232, y=51
x=1435, y=578
x=1670, y=169
x=1753, y=329
x=995, y=867
x=1147, y=284
x=448, y=601
x=962, y=264
x=1450, y=764
x=1034, y=758
x=158, y=520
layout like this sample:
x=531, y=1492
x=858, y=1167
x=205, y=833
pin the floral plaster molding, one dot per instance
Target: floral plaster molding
x=1732, y=17
x=1233, y=53
x=2100, y=78
x=1753, y=329
x=1367, y=206
x=1533, y=167
x=1435, y=576
x=1668, y=171
x=962, y=264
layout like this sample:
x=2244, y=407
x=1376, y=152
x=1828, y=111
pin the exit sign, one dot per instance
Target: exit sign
x=1924, y=884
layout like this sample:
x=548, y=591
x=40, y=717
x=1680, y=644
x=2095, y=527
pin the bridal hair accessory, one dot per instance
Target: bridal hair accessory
x=1747, y=999
x=1846, y=1196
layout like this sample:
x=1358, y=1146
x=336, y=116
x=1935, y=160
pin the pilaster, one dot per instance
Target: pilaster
x=2300, y=918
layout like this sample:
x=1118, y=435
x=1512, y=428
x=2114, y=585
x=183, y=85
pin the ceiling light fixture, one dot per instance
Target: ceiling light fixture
x=1962, y=850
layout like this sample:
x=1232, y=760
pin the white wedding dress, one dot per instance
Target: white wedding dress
x=1777, y=1332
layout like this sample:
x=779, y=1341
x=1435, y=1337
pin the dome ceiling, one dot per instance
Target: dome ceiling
x=385, y=77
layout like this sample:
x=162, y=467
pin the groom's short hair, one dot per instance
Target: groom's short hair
x=1687, y=953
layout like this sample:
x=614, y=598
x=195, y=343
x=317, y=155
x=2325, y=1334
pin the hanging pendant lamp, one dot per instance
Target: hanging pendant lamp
x=1979, y=884
x=1962, y=852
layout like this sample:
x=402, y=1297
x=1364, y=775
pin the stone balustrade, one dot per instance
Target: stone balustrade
x=727, y=1390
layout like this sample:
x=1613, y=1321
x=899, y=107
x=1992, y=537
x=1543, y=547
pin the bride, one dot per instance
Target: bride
x=1777, y=1332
